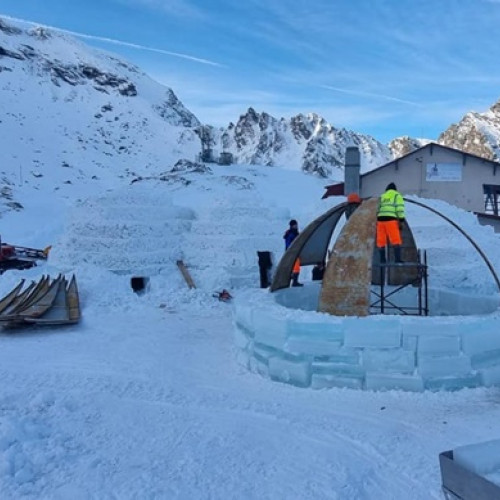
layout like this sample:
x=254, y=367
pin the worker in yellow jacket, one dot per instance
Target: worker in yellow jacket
x=390, y=218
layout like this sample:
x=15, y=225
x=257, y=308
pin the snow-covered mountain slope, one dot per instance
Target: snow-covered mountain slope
x=87, y=115
x=304, y=142
x=476, y=133
x=71, y=114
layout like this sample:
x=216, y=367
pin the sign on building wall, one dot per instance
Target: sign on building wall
x=449, y=172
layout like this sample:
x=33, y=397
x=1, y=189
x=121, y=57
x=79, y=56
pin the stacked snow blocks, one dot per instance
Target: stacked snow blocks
x=310, y=349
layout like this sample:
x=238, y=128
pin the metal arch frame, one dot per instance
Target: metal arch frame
x=456, y=226
x=283, y=272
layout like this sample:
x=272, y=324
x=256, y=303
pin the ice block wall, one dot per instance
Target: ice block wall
x=310, y=349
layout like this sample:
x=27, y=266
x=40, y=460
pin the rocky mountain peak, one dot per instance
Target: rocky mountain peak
x=303, y=142
x=108, y=114
x=496, y=108
x=476, y=133
x=401, y=146
x=40, y=33
x=301, y=127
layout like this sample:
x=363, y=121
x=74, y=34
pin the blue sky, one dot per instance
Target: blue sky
x=385, y=68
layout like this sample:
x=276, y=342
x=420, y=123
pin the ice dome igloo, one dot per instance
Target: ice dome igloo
x=335, y=334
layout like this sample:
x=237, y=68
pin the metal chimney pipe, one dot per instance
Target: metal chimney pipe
x=352, y=170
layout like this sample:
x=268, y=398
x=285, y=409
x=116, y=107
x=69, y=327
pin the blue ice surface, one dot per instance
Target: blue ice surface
x=368, y=332
x=388, y=360
x=443, y=366
x=295, y=372
x=388, y=381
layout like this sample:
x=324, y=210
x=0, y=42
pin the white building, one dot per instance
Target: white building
x=438, y=172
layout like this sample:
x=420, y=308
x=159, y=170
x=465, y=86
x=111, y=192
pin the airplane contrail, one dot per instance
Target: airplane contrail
x=369, y=94
x=117, y=42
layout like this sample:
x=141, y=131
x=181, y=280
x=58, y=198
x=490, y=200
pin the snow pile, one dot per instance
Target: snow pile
x=75, y=116
x=132, y=231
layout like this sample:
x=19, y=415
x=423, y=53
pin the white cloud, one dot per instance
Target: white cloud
x=369, y=94
x=119, y=42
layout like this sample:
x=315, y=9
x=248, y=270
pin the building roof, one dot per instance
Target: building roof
x=430, y=146
x=334, y=190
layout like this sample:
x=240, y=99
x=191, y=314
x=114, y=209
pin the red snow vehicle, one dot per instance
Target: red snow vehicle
x=15, y=257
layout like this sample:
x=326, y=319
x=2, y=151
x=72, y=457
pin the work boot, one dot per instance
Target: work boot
x=295, y=278
x=397, y=255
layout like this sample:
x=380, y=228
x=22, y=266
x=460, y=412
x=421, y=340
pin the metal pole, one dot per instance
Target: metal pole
x=426, y=291
x=420, y=283
x=382, y=281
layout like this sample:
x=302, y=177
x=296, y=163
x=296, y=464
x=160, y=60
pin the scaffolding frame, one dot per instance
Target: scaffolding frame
x=383, y=301
x=491, y=198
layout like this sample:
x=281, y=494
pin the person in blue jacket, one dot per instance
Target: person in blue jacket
x=290, y=234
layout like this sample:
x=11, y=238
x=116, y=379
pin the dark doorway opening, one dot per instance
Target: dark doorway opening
x=265, y=265
x=139, y=284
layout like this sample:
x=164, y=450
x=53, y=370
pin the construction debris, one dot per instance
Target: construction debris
x=223, y=296
x=43, y=303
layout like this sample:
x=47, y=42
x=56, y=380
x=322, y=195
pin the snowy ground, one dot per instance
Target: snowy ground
x=144, y=398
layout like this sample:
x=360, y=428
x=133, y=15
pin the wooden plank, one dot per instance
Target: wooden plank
x=18, y=300
x=8, y=299
x=185, y=273
x=58, y=309
x=65, y=308
x=43, y=303
x=73, y=300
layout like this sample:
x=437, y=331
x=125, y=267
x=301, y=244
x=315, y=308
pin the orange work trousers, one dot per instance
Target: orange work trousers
x=296, y=266
x=388, y=230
